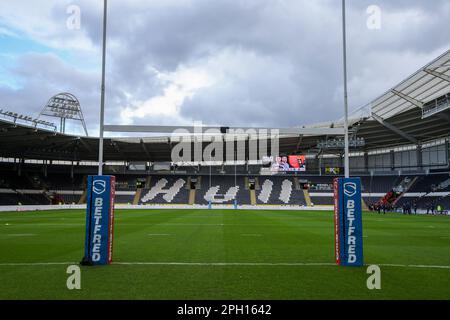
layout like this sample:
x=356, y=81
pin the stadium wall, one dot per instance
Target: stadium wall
x=168, y=206
x=179, y=207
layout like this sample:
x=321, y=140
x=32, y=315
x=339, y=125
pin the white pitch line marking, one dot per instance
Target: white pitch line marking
x=288, y=264
x=31, y=264
x=226, y=264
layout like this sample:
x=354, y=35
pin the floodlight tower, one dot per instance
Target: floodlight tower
x=64, y=106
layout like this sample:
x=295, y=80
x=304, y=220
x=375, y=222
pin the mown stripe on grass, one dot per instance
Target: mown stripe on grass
x=31, y=264
x=226, y=264
x=412, y=266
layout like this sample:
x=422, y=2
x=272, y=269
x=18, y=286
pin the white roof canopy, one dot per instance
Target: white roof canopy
x=425, y=85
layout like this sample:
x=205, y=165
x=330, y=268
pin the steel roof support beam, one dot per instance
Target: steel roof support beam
x=419, y=156
x=413, y=101
x=145, y=149
x=438, y=74
x=394, y=129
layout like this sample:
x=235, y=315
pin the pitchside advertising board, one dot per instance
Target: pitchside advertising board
x=348, y=222
x=99, y=220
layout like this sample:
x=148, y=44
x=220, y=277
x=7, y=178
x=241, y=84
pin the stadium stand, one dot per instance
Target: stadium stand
x=404, y=159
x=422, y=191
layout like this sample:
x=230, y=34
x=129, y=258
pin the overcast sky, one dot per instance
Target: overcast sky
x=276, y=63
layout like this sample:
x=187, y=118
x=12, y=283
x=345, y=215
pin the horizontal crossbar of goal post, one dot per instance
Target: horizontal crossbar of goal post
x=192, y=129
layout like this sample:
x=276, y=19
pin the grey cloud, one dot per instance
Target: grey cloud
x=297, y=46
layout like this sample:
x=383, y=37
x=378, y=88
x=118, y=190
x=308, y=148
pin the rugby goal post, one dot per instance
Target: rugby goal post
x=343, y=196
x=347, y=213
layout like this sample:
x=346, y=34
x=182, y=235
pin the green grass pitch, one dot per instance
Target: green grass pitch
x=223, y=254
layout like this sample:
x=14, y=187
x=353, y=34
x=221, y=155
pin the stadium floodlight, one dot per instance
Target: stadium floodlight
x=64, y=106
x=436, y=106
x=43, y=123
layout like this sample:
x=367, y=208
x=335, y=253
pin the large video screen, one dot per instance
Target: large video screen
x=294, y=163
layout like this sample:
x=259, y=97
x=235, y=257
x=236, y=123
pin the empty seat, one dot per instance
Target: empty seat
x=211, y=194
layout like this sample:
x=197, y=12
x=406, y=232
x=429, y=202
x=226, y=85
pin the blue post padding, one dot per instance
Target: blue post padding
x=341, y=222
x=99, y=219
x=350, y=222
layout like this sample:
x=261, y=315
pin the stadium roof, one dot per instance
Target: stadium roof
x=22, y=141
x=395, y=118
x=425, y=85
